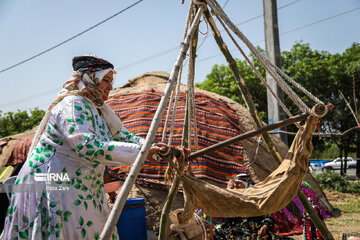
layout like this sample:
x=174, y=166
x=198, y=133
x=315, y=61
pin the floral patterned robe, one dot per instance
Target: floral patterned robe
x=77, y=144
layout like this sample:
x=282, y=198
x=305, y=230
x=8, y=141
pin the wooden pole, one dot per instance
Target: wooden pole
x=185, y=133
x=253, y=111
x=272, y=48
x=241, y=82
x=167, y=207
x=314, y=217
x=135, y=169
x=187, y=124
x=249, y=134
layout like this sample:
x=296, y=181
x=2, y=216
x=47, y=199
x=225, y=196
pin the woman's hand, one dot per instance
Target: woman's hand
x=263, y=230
x=230, y=184
x=155, y=149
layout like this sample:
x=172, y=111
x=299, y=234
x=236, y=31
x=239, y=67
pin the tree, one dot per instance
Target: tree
x=352, y=69
x=13, y=123
x=221, y=81
x=320, y=72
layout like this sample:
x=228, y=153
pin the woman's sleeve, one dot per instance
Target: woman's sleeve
x=123, y=135
x=79, y=123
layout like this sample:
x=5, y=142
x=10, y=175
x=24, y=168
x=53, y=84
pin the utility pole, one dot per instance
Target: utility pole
x=272, y=47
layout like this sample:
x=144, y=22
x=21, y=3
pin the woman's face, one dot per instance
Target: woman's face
x=238, y=185
x=106, y=85
x=235, y=184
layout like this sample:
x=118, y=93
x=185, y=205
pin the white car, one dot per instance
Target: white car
x=335, y=164
x=315, y=167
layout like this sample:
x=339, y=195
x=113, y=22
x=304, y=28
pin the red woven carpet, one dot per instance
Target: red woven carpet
x=216, y=122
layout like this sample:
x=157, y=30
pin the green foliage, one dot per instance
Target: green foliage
x=221, y=81
x=320, y=72
x=333, y=181
x=13, y=123
x=331, y=152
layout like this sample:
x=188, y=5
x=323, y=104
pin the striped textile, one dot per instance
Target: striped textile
x=20, y=152
x=216, y=122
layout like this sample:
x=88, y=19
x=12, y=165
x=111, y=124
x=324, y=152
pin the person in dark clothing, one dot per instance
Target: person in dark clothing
x=310, y=231
x=245, y=228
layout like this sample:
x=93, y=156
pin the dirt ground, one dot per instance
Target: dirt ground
x=349, y=221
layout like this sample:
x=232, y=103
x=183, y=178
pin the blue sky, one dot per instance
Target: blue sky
x=142, y=39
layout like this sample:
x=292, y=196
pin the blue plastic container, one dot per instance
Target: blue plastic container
x=132, y=221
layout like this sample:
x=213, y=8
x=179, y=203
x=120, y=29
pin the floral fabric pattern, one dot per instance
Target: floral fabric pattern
x=76, y=145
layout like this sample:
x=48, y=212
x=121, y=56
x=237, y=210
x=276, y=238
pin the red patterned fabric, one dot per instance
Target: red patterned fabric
x=216, y=122
x=284, y=227
x=20, y=152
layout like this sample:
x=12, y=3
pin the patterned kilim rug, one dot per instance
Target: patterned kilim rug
x=216, y=122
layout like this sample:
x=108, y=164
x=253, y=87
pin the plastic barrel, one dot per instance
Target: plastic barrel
x=132, y=221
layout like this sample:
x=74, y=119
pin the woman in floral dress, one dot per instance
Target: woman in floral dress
x=77, y=137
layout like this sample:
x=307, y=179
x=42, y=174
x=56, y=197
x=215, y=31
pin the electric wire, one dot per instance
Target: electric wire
x=28, y=98
x=147, y=59
x=321, y=20
x=25, y=99
x=130, y=64
x=163, y=52
x=200, y=44
x=259, y=16
x=290, y=31
x=69, y=39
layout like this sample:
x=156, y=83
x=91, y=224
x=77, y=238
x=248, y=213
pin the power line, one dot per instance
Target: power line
x=259, y=16
x=290, y=3
x=321, y=20
x=241, y=23
x=225, y=4
x=204, y=39
x=73, y=37
x=200, y=60
x=202, y=42
x=146, y=59
x=136, y=62
x=160, y=53
x=26, y=99
x=293, y=30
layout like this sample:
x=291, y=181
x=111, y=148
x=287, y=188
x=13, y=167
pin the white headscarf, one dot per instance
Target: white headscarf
x=75, y=84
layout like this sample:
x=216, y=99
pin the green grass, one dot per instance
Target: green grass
x=352, y=207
